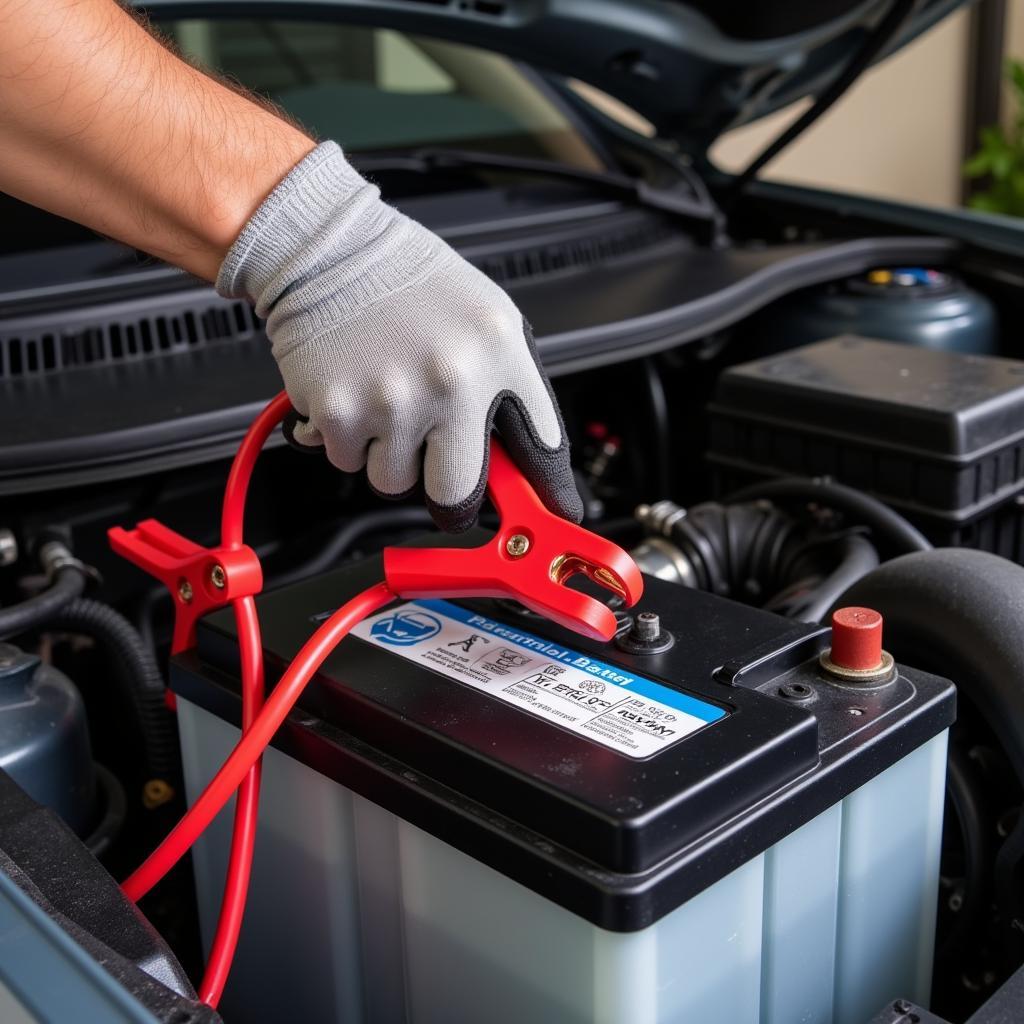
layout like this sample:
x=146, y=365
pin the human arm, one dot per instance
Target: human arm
x=102, y=124
x=396, y=353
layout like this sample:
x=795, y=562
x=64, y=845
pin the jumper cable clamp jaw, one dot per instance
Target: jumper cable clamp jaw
x=199, y=579
x=529, y=559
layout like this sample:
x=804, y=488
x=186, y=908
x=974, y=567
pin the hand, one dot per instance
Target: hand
x=394, y=350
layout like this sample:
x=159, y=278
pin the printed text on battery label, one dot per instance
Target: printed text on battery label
x=633, y=715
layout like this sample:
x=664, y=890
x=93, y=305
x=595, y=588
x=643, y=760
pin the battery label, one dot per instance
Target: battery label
x=606, y=704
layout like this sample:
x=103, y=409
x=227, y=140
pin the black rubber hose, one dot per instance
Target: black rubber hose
x=739, y=550
x=960, y=613
x=115, y=810
x=887, y=526
x=402, y=517
x=135, y=670
x=68, y=584
x=859, y=557
x=657, y=402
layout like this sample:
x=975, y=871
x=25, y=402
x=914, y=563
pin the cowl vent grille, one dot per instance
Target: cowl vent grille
x=157, y=326
x=579, y=253
x=120, y=333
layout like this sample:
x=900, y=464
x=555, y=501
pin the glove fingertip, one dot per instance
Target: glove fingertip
x=455, y=518
x=444, y=478
x=566, y=502
x=409, y=492
x=301, y=435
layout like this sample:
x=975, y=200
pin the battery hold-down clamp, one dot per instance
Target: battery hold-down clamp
x=529, y=559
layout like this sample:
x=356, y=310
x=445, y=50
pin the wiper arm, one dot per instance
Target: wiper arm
x=429, y=160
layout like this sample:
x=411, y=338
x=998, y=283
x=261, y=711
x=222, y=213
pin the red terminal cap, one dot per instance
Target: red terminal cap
x=856, y=639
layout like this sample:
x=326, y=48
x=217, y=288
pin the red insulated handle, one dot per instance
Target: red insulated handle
x=529, y=559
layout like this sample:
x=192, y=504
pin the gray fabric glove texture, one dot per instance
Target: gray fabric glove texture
x=396, y=353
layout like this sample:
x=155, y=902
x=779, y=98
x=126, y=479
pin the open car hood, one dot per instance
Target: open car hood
x=693, y=68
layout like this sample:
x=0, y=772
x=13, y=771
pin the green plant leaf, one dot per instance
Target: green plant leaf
x=1000, y=156
x=985, y=203
x=1015, y=74
x=978, y=165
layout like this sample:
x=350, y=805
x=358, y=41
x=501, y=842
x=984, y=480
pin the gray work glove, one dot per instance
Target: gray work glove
x=394, y=350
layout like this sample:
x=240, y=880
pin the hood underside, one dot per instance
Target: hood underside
x=694, y=69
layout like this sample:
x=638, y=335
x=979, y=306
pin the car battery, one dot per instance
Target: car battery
x=476, y=815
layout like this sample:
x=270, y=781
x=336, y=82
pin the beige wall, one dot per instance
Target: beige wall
x=898, y=133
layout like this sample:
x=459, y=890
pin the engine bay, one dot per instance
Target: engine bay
x=821, y=410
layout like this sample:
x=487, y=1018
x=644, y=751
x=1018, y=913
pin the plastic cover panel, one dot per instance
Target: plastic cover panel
x=141, y=414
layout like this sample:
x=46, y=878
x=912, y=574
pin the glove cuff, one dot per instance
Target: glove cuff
x=326, y=241
x=286, y=221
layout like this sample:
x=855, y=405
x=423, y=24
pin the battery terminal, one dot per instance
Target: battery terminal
x=856, y=654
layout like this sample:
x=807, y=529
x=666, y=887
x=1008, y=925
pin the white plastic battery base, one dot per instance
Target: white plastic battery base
x=357, y=916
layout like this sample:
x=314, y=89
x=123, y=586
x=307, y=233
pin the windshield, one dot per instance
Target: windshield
x=380, y=90
x=371, y=90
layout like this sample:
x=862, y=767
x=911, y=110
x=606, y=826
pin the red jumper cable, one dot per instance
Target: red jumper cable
x=529, y=558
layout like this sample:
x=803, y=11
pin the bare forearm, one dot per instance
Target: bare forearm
x=101, y=124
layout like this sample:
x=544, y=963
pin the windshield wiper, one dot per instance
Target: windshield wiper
x=430, y=160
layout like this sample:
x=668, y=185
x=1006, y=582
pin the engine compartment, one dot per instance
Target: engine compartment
x=785, y=506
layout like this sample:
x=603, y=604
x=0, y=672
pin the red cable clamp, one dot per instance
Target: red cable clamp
x=529, y=559
x=199, y=579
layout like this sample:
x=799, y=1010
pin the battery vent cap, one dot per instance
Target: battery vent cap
x=856, y=639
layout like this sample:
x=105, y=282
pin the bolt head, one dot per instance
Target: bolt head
x=218, y=577
x=517, y=545
x=156, y=792
x=185, y=591
x=647, y=626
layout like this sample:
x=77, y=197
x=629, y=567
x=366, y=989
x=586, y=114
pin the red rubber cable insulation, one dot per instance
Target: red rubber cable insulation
x=243, y=835
x=243, y=832
x=244, y=763
x=249, y=748
x=237, y=487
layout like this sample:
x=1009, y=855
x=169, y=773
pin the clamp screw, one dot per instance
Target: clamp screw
x=218, y=577
x=185, y=591
x=517, y=545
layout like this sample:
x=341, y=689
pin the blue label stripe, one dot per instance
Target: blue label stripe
x=555, y=652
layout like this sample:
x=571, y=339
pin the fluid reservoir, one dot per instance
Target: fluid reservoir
x=918, y=305
x=721, y=818
x=44, y=737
